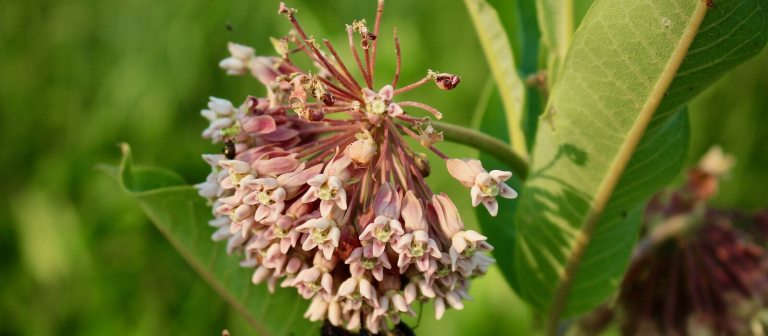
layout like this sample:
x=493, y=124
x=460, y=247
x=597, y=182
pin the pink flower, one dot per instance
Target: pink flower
x=237, y=63
x=365, y=258
x=379, y=103
x=385, y=227
x=465, y=244
x=484, y=186
x=237, y=171
x=358, y=288
x=221, y=114
x=267, y=194
x=322, y=233
x=329, y=187
x=447, y=215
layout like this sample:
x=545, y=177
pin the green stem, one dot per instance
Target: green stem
x=486, y=144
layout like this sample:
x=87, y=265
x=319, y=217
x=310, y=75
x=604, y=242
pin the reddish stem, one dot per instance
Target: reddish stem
x=356, y=56
x=399, y=60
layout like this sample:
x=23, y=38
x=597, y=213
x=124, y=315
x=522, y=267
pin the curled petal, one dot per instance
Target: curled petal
x=500, y=175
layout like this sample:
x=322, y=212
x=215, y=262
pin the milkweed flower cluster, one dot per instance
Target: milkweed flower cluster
x=698, y=271
x=319, y=190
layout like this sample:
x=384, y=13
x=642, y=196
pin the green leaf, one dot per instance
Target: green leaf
x=182, y=216
x=613, y=134
x=555, y=19
x=498, y=52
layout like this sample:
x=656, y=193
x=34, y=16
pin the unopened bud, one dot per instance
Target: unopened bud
x=328, y=99
x=283, y=9
x=422, y=164
x=316, y=115
x=363, y=149
x=447, y=81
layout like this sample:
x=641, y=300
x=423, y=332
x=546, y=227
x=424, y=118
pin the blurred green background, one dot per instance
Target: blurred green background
x=77, y=257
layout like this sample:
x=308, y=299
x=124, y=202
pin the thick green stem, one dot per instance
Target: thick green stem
x=485, y=143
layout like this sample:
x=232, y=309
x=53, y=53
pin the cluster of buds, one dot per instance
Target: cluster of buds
x=698, y=270
x=319, y=190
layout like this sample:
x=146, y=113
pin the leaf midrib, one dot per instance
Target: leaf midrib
x=617, y=167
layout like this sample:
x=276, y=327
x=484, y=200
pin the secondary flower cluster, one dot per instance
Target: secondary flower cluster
x=319, y=190
x=697, y=271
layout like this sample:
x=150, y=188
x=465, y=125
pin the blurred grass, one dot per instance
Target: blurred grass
x=78, y=257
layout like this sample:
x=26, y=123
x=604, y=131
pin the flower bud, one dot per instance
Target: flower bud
x=328, y=99
x=316, y=115
x=447, y=81
x=422, y=164
x=362, y=150
x=285, y=10
x=447, y=215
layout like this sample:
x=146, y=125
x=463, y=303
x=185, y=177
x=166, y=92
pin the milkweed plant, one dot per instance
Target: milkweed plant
x=320, y=193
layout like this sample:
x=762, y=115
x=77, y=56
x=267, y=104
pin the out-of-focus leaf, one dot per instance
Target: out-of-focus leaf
x=182, y=216
x=613, y=134
x=555, y=19
x=498, y=52
x=490, y=119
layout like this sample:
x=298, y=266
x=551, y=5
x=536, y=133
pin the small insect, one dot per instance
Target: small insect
x=229, y=26
x=229, y=149
x=710, y=4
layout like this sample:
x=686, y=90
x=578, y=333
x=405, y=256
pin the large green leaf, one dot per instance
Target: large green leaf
x=182, y=216
x=498, y=52
x=612, y=134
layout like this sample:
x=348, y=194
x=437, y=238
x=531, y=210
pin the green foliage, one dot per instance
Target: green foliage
x=498, y=52
x=612, y=135
x=182, y=216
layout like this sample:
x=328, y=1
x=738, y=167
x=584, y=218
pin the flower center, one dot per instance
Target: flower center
x=383, y=233
x=326, y=193
x=470, y=250
x=368, y=263
x=377, y=106
x=490, y=190
x=417, y=249
x=319, y=236
x=279, y=232
x=265, y=197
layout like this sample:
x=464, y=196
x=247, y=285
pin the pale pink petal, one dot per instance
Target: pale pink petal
x=454, y=300
x=439, y=308
x=260, y=124
x=458, y=242
x=347, y=287
x=461, y=171
x=477, y=195
x=500, y=175
x=506, y=191
x=492, y=205
x=473, y=236
x=399, y=303
x=387, y=92
x=334, y=313
x=378, y=248
x=410, y=292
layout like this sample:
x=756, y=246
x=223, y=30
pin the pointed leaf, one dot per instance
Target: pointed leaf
x=182, y=216
x=498, y=52
x=613, y=134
